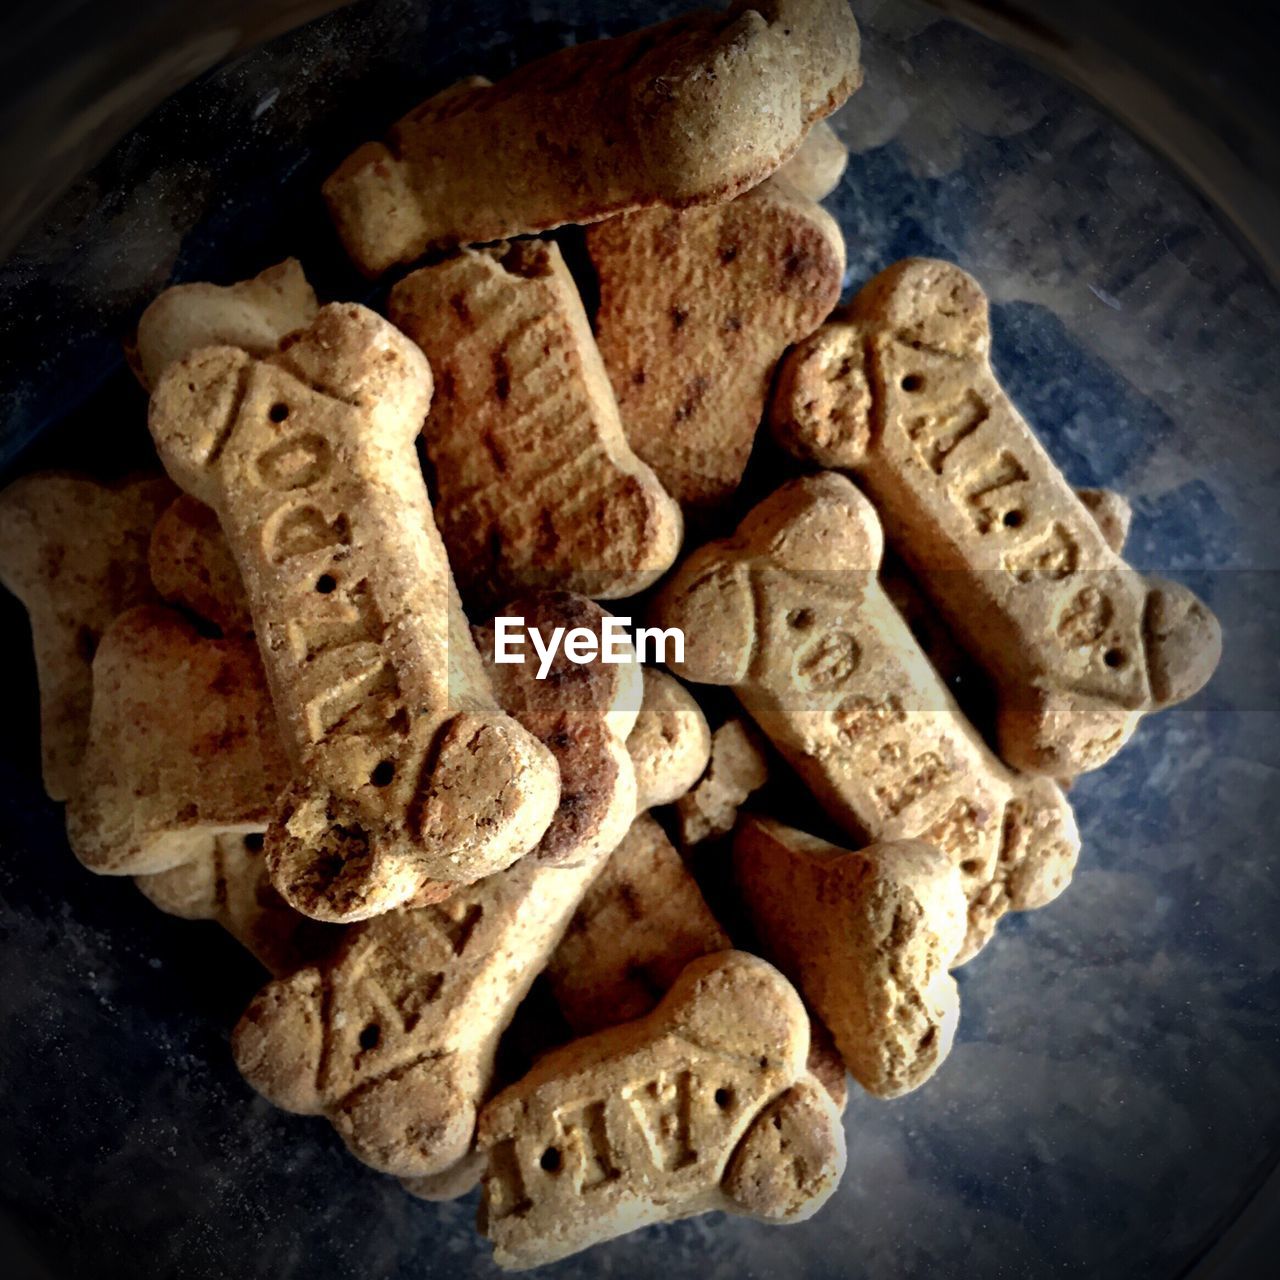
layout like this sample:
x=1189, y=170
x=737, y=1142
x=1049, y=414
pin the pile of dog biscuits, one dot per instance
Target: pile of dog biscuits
x=270, y=681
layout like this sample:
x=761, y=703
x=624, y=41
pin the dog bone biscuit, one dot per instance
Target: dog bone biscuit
x=1079, y=645
x=583, y=713
x=192, y=566
x=536, y=483
x=75, y=553
x=670, y=742
x=393, y=1036
x=703, y=1104
x=454, y=1183
x=867, y=937
x=816, y=169
x=228, y=884
x=182, y=746
x=696, y=308
x=638, y=926
x=789, y=613
x=405, y=771
x=251, y=314
x=737, y=768
x=693, y=111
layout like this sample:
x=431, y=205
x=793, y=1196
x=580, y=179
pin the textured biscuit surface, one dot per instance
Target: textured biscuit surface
x=407, y=775
x=867, y=937
x=227, y=882
x=192, y=566
x=393, y=1037
x=670, y=742
x=695, y=110
x=182, y=746
x=737, y=768
x=696, y=307
x=74, y=551
x=250, y=314
x=1078, y=645
x=664, y=1117
x=816, y=169
x=789, y=613
x=536, y=484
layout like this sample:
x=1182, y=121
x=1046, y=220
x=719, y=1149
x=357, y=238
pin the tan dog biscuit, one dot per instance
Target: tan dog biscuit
x=405, y=771
x=393, y=1037
x=696, y=308
x=536, y=484
x=182, y=746
x=228, y=884
x=703, y=1104
x=816, y=169
x=74, y=551
x=638, y=926
x=583, y=713
x=251, y=314
x=737, y=768
x=191, y=565
x=454, y=1183
x=1080, y=646
x=868, y=938
x=693, y=111
x=669, y=744
x=789, y=613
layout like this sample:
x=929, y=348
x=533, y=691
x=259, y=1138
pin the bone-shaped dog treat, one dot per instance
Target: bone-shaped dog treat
x=191, y=565
x=816, y=169
x=182, y=746
x=670, y=742
x=789, y=613
x=703, y=1104
x=1079, y=645
x=74, y=551
x=692, y=111
x=536, y=484
x=392, y=1038
x=867, y=937
x=736, y=769
x=228, y=884
x=405, y=770
x=696, y=308
x=583, y=713
x=251, y=314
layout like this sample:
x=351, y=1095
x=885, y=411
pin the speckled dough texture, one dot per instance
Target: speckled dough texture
x=192, y=566
x=737, y=767
x=1078, y=645
x=536, y=485
x=250, y=314
x=696, y=307
x=393, y=1037
x=692, y=111
x=670, y=742
x=182, y=746
x=816, y=169
x=407, y=775
x=703, y=1104
x=868, y=938
x=74, y=551
x=789, y=613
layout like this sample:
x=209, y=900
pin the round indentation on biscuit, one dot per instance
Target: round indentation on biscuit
x=326, y=583
x=1115, y=658
x=278, y=411
x=551, y=1161
x=253, y=842
x=971, y=866
x=913, y=382
x=383, y=773
x=800, y=619
x=370, y=1036
x=724, y=1097
x=1014, y=518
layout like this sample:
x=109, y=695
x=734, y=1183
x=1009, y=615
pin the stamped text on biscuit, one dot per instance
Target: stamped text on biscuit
x=581, y=645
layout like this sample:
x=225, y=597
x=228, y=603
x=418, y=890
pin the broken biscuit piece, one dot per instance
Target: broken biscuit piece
x=703, y=1104
x=696, y=308
x=669, y=744
x=192, y=566
x=74, y=551
x=789, y=613
x=737, y=767
x=536, y=485
x=868, y=937
x=1078, y=645
x=692, y=111
x=407, y=776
